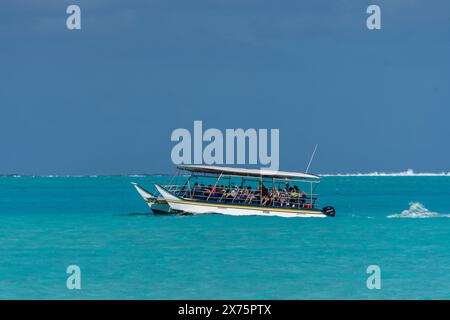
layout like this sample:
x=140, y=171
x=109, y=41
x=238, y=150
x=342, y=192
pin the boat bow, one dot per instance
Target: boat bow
x=167, y=195
x=146, y=195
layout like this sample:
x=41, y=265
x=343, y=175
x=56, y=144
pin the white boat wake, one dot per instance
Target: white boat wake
x=418, y=210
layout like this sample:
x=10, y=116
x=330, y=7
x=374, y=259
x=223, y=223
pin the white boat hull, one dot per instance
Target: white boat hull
x=196, y=207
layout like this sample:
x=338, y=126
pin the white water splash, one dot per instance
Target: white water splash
x=407, y=173
x=418, y=210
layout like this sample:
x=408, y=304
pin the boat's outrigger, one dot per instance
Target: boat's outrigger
x=236, y=191
x=157, y=204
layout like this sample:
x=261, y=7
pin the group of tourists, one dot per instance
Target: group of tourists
x=289, y=196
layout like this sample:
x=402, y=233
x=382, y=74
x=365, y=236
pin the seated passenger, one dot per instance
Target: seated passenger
x=300, y=192
x=225, y=193
x=261, y=189
x=300, y=196
x=242, y=196
x=264, y=189
x=265, y=200
x=282, y=198
x=195, y=190
x=209, y=191
x=275, y=195
x=233, y=193
x=249, y=196
x=213, y=192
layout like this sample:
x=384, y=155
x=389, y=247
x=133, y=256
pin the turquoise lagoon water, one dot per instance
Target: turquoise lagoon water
x=101, y=224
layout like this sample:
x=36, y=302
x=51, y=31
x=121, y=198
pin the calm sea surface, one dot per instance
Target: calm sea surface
x=102, y=225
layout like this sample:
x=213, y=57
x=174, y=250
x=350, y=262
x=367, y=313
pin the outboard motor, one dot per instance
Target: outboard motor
x=329, y=211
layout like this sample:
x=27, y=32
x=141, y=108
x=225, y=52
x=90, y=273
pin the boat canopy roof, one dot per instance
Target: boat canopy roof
x=247, y=172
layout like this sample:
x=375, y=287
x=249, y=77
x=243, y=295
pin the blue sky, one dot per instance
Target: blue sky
x=105, y=99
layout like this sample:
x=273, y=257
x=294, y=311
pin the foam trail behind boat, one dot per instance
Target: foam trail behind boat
x=418, y=210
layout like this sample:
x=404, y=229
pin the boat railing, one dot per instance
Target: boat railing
x=178, y=190
x=254, y=198
x=239, y=196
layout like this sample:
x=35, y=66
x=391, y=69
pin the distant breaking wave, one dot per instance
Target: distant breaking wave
x=407, y=173
x=418, y=210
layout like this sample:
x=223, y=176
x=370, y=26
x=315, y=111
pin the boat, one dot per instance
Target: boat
x=239, y=191
x=156, y=203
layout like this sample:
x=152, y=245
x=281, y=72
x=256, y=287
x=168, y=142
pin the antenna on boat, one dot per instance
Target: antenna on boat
x=312, y=157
